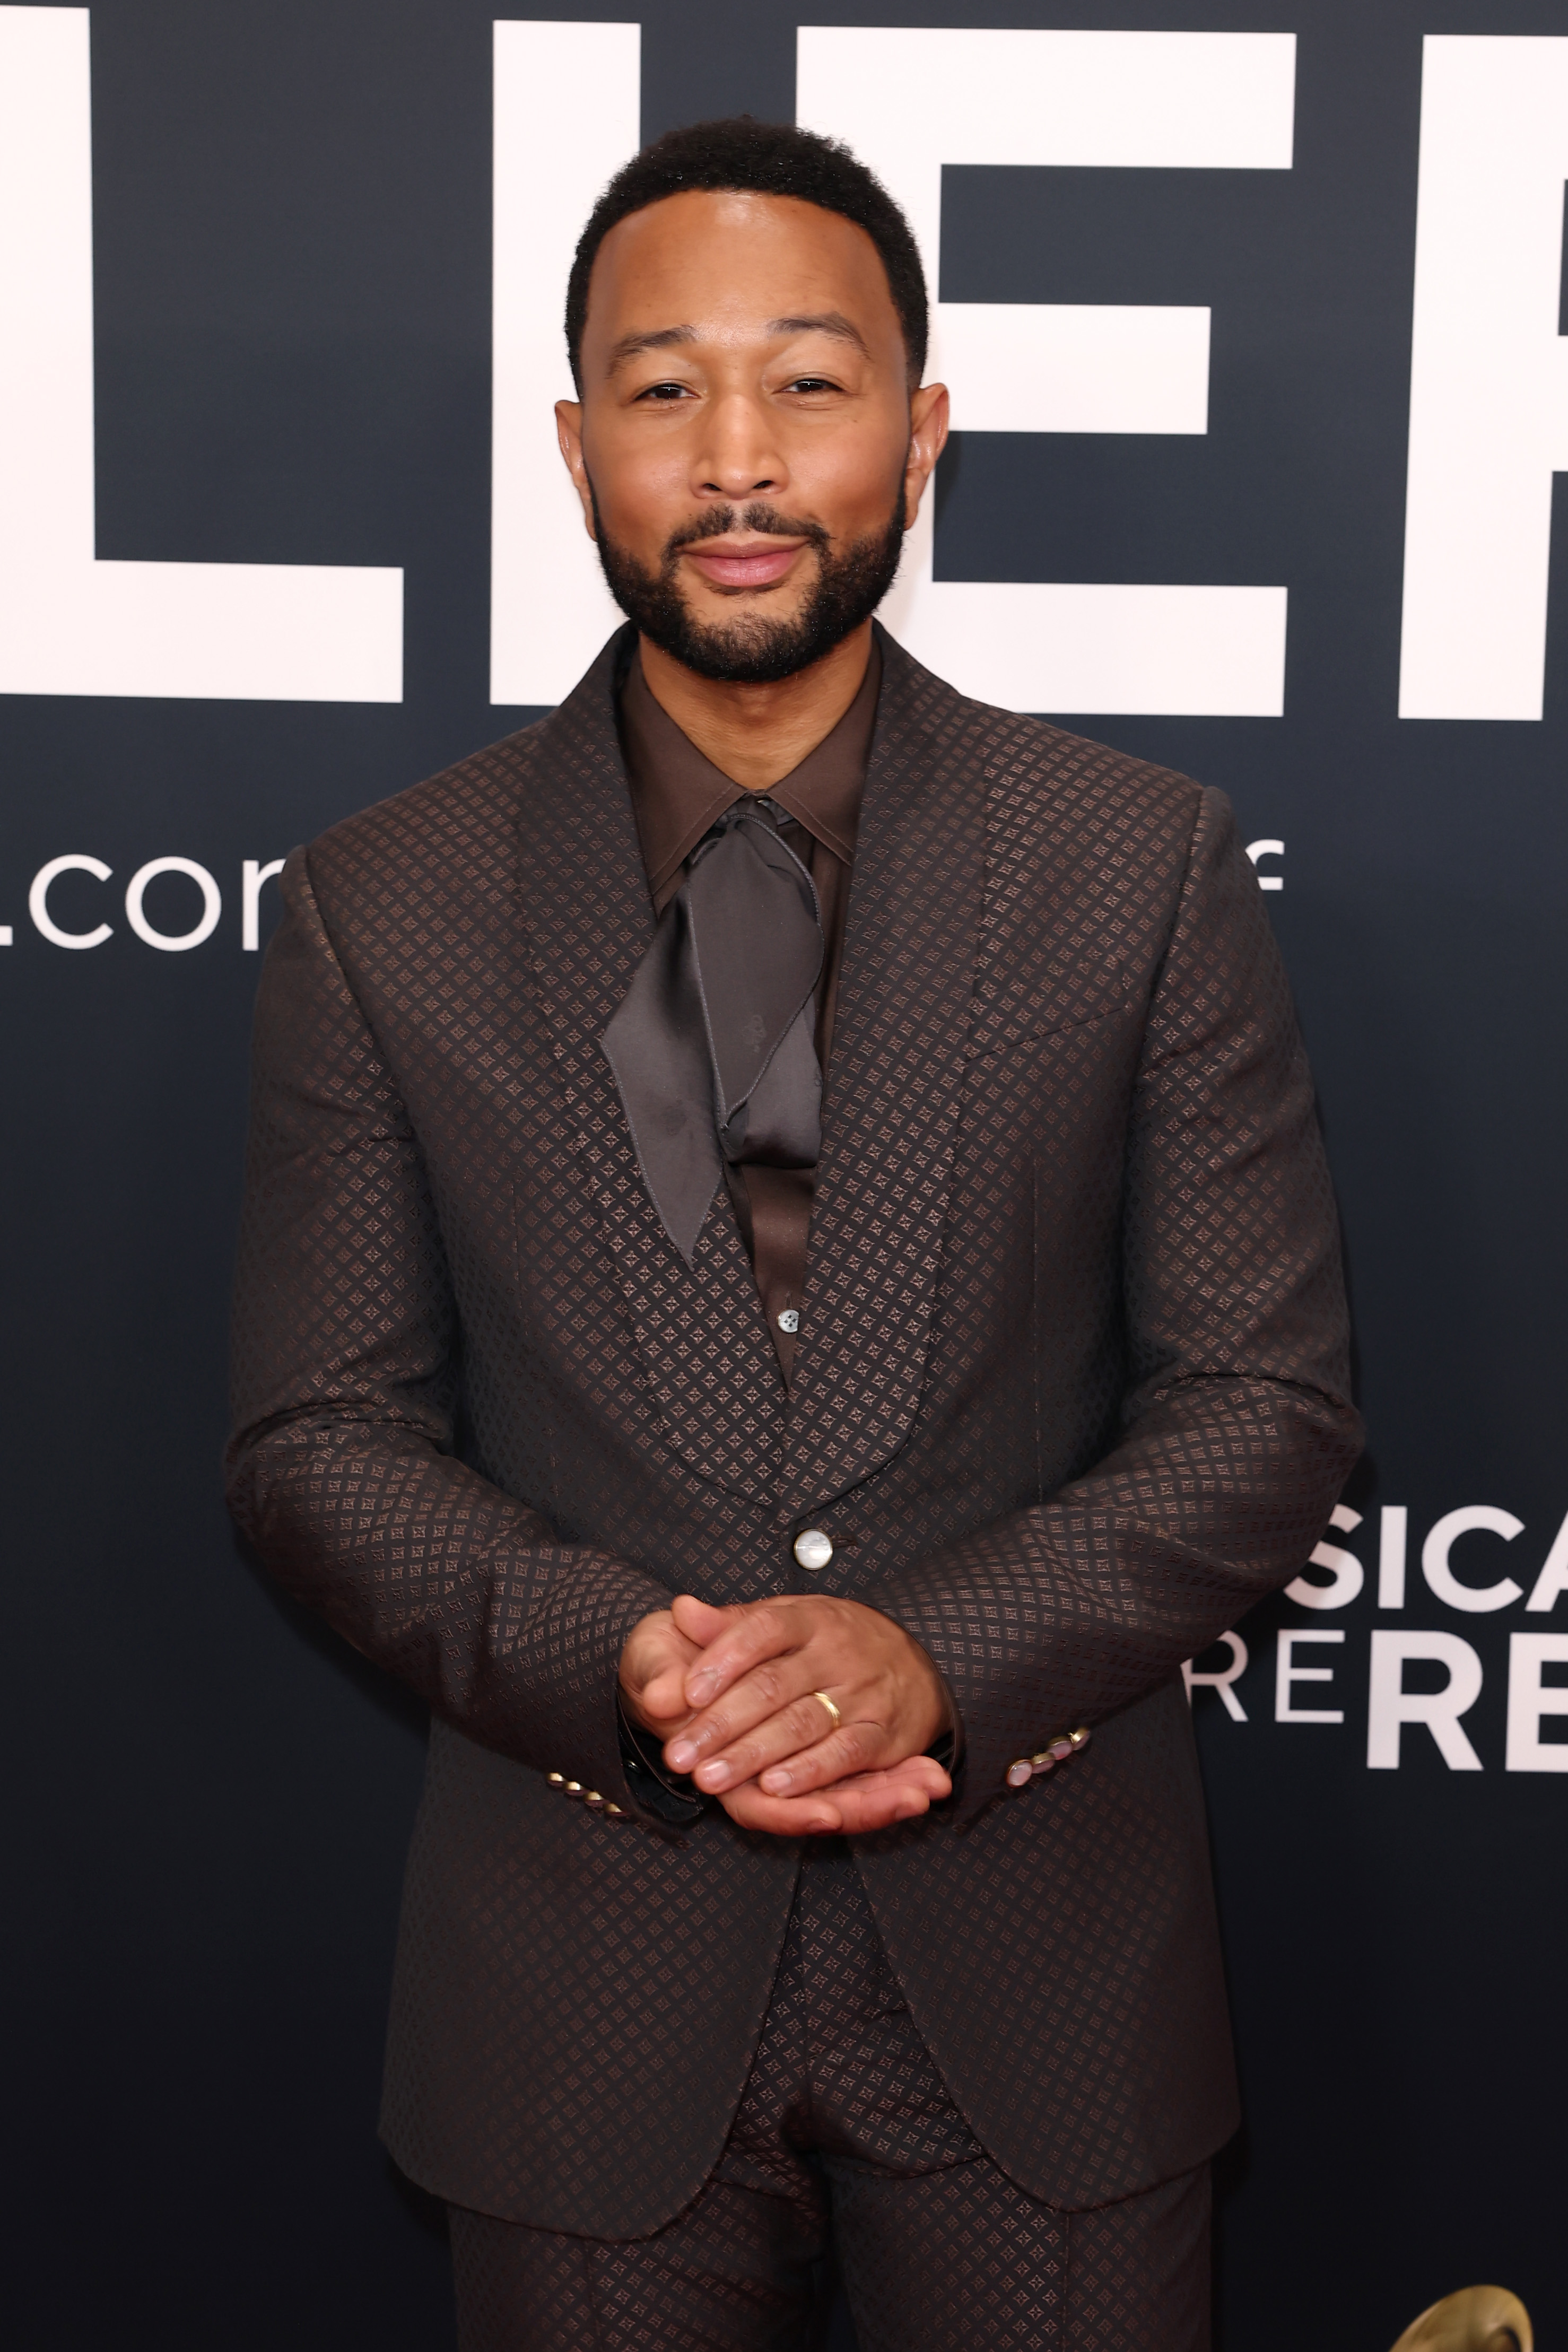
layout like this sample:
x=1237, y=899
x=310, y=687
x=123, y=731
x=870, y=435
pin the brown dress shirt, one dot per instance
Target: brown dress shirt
x=676, y=794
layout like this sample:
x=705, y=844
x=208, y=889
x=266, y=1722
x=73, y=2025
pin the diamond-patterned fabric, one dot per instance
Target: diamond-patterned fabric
x=1071, y=1395
x=846, y=2138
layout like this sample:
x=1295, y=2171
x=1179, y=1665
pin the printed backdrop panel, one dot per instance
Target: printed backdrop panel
x=1253, y=316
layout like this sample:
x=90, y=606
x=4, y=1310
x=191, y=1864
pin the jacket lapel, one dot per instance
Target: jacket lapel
x=894, y=1086
x=708, y=1358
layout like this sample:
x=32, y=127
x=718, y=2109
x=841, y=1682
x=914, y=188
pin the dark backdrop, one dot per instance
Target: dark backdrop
x=208, y=1799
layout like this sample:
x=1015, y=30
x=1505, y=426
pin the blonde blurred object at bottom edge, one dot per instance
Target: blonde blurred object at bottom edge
x=1477, y=2319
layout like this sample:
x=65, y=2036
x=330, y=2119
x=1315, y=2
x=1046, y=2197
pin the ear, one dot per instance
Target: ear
x=569, y=432
x=927, y=438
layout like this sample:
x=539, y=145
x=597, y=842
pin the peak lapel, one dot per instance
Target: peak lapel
x=706, y=1353
x=894, y=1086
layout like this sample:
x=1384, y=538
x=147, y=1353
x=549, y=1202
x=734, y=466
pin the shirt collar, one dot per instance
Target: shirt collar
x=678, y=793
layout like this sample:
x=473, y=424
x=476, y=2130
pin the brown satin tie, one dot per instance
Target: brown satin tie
x=713, y=1046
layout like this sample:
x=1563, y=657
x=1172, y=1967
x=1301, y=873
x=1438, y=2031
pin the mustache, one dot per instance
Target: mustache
x=717, y=522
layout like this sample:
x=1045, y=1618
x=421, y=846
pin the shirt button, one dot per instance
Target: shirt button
x=790, y=1319
x=813, y=1549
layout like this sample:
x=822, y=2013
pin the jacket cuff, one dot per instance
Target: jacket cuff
x=582, y=1631
x=670, y=1796
x=1002, y=1743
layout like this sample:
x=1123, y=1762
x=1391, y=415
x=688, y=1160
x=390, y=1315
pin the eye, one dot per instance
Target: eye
x=810, y=384
x=665, y=392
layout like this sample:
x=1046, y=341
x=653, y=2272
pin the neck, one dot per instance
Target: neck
x=757, y=734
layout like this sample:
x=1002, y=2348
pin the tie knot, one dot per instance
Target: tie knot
x=750, y=810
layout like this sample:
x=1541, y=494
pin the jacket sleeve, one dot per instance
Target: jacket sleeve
x=1237, y=1429
x=340, y=1468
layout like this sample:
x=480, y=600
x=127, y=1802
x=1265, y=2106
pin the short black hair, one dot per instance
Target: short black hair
x=767, y=159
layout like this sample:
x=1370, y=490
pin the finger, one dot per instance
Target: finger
x=854, y=1810
x=653, y=1649
x=701, y=1622
x=782, y=1816
x=767, y=1688
x=868, y=1802
x=880, y=1810
x=874, y=1801
x=922, y=1772
x=763, y=1629
x=848, y=1753
x=877, y=1800
x=652, y=1680
x=661, y=1703
x=793, y=1733
x=758, y=1723
x=919, y=1775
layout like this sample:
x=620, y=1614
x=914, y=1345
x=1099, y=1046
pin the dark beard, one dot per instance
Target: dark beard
x=755, y=650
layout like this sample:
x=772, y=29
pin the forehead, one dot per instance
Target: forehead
x=728, y=260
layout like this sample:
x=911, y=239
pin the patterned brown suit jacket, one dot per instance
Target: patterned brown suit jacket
x=1071, y=1395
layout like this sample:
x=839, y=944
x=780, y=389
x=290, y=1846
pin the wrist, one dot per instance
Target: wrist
x=942, y=1714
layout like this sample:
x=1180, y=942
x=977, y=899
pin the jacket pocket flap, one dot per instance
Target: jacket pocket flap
x=1011, y=1008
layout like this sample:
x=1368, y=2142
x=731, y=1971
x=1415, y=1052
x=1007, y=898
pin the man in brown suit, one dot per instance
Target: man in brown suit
x=789, y=1281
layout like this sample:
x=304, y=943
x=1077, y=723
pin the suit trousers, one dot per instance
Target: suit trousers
x=848, y=2154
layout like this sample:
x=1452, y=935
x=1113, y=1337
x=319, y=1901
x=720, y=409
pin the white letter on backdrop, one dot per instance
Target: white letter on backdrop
x=172, y=942
x=70, y=624
x=1390, y=1705
x=1222, y=1680
x=1529, y=1700
x=1287, y=1674
x=39, y=901
x=1394, y=1527
x=1553, y=1577
x=1348, y=1573
x=567, y=101
x=1489, y=376
x=1260, y=849
x=911, y=101
x=1475, y=1600
x=252, y=875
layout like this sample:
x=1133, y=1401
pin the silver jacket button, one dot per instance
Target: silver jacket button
x=813, y=1549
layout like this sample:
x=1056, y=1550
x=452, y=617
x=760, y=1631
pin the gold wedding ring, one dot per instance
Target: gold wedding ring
x=832, y=1710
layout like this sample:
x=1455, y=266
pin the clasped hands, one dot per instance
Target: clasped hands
x=730, y=1692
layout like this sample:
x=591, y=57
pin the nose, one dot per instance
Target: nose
x=738, y=456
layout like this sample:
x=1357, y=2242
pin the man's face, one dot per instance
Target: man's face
x=746, y=448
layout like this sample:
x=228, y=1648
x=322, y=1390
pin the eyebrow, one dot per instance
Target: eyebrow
x=657, y=339
x=822, y=323
x=664, y=339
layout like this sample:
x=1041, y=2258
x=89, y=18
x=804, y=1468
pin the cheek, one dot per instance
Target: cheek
x=642, y=482
x=848, y=478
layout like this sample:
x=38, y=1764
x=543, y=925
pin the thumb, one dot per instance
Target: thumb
x=698, y=1622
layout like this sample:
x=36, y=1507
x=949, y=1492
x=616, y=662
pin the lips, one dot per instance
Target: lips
x=747, y=567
